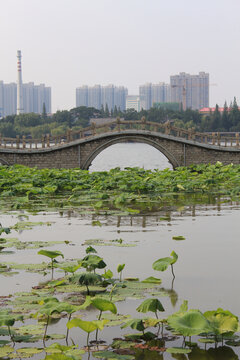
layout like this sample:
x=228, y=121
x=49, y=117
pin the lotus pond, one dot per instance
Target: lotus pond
x=130, y=264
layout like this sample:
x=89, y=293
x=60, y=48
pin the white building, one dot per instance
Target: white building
x=133, y=102
x=34, y=96
x=98, y=96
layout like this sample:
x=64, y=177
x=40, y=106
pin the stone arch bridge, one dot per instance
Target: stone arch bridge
x=78, y=149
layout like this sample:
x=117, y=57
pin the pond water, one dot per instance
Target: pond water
x=207, y=270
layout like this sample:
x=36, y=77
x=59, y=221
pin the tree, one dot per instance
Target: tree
x=225, y=118
x=44, y=113
x=106, y=110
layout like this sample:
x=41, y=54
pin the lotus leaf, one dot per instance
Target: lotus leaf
x=5, y=351
x=120, y=267
x=222, y=321
x=29, y=351
x=108, y=274
x=152, y=305
x=152, y=280
x=163, y=263
x=178, y=350
x=178, y=237
x=88, y=326
x=50, y=254
x=137, y=324
x=58, y=357
x=92, y=262
x=189, y=323
x=112, y=356
x=104, y=305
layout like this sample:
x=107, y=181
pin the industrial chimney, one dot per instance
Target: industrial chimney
x=19, y=84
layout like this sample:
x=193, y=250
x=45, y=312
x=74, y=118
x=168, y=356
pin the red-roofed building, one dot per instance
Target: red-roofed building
x=208, y=110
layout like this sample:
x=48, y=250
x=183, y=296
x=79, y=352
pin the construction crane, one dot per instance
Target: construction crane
x=184, y=92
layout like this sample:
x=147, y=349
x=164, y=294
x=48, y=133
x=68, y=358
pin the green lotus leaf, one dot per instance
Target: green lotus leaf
x=89, y=279
x=58, y=357
x=29, y=351
x=70, y=268
x=178, y=237
x=152, y=280
x=93, y=261
x=100, y=323
x=88, y=326
x=108, y=275
x=50, y=254
x=178, y=350
x=52, y=307
x=112, y=356
x=222, y=321
x=189, y=323
x=120, y=267
x=90, y=249
x=5, y=230
x=137, y=324
x=163, y=263
x=151, y=322
x=104, y=305
x=5, y=351
x=150, y=305
x=175, y=257
x=8, y=319
x=206, y=341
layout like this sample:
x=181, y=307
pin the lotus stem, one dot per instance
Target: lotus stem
x=172, y=271
x=52, y=269
x=184, y=339
x=88, y=292
x=45, y=332
x=99, y=318
x=10, y=334
x=69, y=318
x=88, y=340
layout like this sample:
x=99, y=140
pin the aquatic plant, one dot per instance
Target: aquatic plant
x=52, y=255
x=163, y=263
x=50, y=306
x=8, y=319
x=119, y=270
x=153, y=305
x=88, y=279
x=103, y=305
x=92, y=262
x=87, y=326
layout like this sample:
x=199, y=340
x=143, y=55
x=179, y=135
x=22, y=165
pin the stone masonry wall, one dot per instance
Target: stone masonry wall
x=179, y=153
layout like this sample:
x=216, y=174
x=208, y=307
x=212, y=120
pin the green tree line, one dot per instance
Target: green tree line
x=36, y=125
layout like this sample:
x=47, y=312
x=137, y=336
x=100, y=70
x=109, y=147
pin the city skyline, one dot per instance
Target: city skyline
x=120, y=42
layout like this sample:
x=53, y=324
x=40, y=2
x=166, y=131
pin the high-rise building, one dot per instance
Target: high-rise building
x=153, y=93
x=190, y=90
x=98, y=96
x=82, y=96
x=133, y=102
x=33, y=98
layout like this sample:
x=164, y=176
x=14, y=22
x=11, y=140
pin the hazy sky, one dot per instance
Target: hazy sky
x=69, y=43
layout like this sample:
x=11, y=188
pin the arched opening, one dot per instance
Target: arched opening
x=3, y=162
x=130, y=154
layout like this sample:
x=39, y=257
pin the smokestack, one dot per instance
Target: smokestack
x=19, y=84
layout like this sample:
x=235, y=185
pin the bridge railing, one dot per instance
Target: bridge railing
x=118, y=125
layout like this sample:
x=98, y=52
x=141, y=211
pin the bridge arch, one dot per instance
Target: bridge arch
x=3, y=162
x=139, y=139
